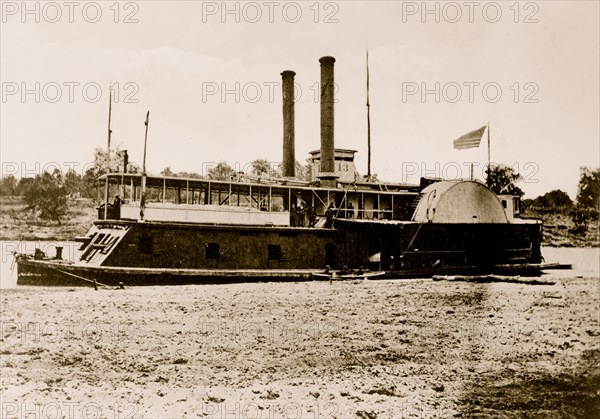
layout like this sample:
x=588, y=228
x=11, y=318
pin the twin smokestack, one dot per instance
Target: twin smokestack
x=289, y=153
x=327, y=122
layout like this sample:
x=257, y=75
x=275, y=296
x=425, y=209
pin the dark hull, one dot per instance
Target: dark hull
x=430, y=248
x=161, y=245
x=175, y=254
x=52, y=273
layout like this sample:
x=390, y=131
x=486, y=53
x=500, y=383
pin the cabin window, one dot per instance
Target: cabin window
x=146, y=244
x=213, y=250
x=504, y=203
x=275, y=252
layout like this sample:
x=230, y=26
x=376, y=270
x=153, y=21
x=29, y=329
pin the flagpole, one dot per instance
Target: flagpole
x=107, y=154
x=143, y=185
x=368, y=124
x=489, y=149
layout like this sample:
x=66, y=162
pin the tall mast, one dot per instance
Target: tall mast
x=143, y=192
x=107, y=154
x=489, y=149
x=368, y=124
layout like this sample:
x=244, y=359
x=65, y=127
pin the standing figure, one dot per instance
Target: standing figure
x=329, y=214
x=293, y=216
x=350, y=213
x=312, y=216
x=301, y=212
x=116, y=208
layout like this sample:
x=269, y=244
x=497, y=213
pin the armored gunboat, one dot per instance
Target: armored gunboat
x=168, y=230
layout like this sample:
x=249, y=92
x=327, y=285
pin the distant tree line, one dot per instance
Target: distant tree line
x=48, y=193
x=503, y=179
x=71, y=183
x=582, y=211
x=259, y=169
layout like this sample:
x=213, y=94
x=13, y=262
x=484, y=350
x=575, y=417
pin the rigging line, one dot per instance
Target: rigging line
x=341, y=204
x=80, y=277
x=412, y=240
x=317, y=195
x=14, y=261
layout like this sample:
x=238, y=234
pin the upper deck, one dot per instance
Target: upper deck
x=280, y=202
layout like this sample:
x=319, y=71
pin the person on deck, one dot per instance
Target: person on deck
x=350, y=211
x=330, y=214
x=300, y=215
x=293, y=216
x=116, y=207
x=117, y=201
x=312, y=216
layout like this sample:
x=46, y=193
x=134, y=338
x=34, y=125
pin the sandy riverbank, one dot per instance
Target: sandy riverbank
x=379, y=349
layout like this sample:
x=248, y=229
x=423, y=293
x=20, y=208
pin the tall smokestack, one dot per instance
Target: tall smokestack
x=125, y=161
x=289, y=158
x=327, y=141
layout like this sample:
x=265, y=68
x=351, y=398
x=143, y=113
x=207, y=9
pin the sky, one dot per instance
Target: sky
x=209, y=73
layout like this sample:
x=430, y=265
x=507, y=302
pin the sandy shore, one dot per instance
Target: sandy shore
x=379, y=349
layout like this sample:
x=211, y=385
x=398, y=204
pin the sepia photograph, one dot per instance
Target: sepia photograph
x=299, y=209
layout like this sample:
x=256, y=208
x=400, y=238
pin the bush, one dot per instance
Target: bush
x=581, y=217
x=47, y=195
x=502, y=179
x=588, y=193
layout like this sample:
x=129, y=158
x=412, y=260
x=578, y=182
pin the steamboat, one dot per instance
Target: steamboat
x=164, y=230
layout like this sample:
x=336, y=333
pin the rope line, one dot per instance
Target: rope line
x=80, y=277
x=412, y=240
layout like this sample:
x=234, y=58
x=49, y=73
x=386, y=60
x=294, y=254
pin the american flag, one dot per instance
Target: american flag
x=470, y=140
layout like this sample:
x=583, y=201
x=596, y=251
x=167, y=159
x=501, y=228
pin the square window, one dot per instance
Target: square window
x=213, y=250
x=275, y=252
x=146, y=244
